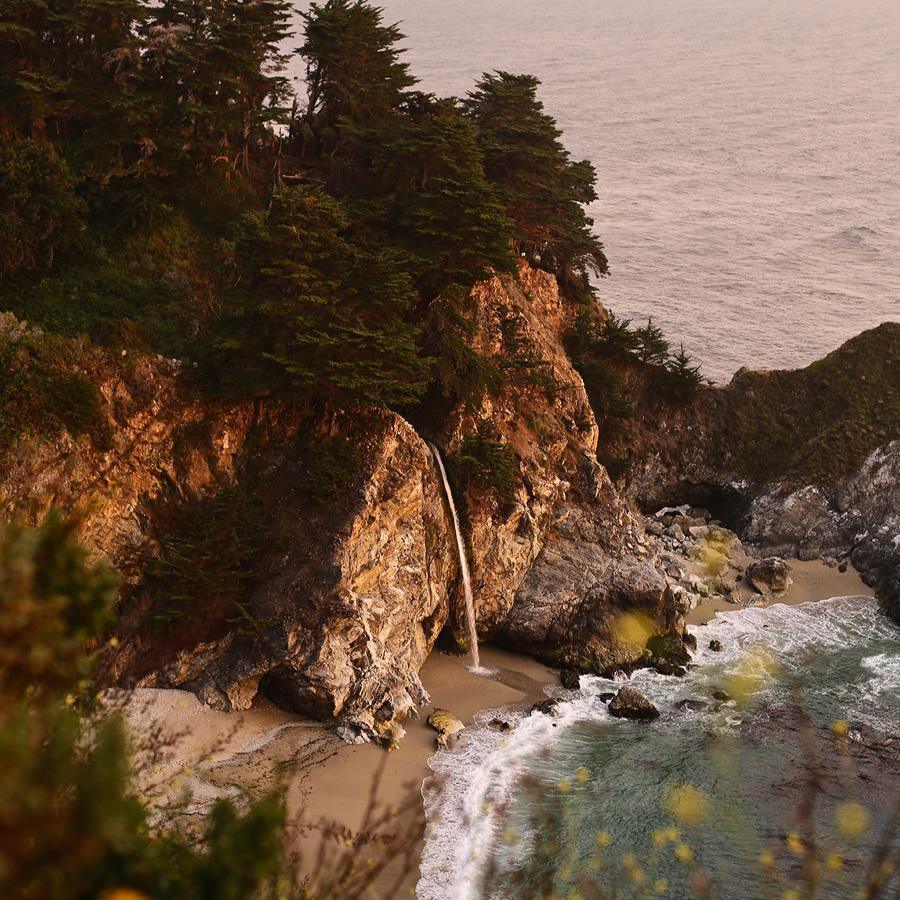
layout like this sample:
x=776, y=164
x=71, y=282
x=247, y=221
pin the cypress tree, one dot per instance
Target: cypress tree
x=543, y=189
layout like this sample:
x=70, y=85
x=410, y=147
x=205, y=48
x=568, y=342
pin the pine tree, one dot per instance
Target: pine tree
x=354, y=74
x=438, y=206
x=682, y=377
x=543, y=189
x=218, y=66
x=652, y=344
x=321, y=319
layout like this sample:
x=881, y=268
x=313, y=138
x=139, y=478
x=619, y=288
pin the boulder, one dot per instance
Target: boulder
x=500, y=725
x=570, y=679
x=769, y=576
x=548, y=707
x=715, y=646
x=446, y=725
x=691, y=704
x=630, y=703
x=606, y=696
x=670, y=649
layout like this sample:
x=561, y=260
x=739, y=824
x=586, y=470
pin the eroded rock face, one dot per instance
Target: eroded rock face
x=357, y=602
x=553, y=571
x=594, y=573
x=859, y=520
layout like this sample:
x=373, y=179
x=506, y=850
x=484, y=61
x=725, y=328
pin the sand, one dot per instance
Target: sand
x=239, y=755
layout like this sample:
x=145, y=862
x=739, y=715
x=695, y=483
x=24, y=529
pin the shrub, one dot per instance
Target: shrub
x=330, y=466
x=40, y=214
x=40, y=395
x=680, y=378
x=487, y=461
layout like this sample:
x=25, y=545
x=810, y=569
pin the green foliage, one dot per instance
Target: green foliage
x=323, y=317
x=652, y=346
x=41, y=390
x=485, y=460
x=354, y=74
x=681, y=378
x=40, y=214
x=462, y=372
x=543, y=190
x=208, y=561
x=52, y=603
x=330, y=465
x=69, y=825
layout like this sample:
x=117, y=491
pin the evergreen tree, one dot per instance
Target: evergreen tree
x=543, y=189
x=354, y=75
x=438, y=206
x=681, y=378
x=322, y=319
x=218, y=67
x=652, y=346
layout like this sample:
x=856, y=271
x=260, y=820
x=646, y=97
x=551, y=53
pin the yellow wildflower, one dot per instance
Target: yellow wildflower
x=602, y=839
x=684, y=853
x=661, y=886
x=767, y=859
x=672, y=834
x=583, y=775
x=688, y=804
x=852, y=819
x=563, y=786
x=659, y=837
x=790, y=894
x=840, y=727
x=794, y=843
x=835, y=862
x=628, y=860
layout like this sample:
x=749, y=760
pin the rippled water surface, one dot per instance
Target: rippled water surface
x=748, y=153
x=833, y=661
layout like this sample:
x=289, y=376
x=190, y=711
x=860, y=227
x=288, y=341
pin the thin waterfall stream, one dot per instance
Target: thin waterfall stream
x=463, y=559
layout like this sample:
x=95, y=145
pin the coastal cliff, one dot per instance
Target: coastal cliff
x=353, y=568
x=802, y=463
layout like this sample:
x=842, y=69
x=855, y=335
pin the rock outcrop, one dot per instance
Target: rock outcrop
x=352, y=594
x=768, y=576
x=630, y=703
x=801, y=463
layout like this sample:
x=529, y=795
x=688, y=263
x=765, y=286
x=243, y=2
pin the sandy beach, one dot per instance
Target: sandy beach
x=327, y=781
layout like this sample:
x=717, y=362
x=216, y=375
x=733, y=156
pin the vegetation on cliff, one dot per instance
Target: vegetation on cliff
x=163, y=189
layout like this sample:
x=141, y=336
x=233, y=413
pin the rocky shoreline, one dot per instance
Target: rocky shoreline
x=350, y=596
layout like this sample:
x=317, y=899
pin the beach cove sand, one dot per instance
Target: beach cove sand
x=329, y=784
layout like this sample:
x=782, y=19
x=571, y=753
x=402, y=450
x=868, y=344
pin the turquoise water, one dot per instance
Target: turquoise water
x=566, y=780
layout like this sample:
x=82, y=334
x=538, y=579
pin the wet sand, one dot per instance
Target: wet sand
x=330, y=782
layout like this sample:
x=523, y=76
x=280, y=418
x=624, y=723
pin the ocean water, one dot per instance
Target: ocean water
x=838, y=660
x=748, y=154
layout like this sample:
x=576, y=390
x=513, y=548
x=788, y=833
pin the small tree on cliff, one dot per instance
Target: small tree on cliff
x=543, y=189
x=321, y=318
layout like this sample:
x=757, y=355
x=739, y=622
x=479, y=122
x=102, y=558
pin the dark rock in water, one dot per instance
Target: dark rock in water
x=715, y=645
x=548, y=707
x=690, y=641
x=570, y=679
x=670, y=648
x=664, y=667
x=630, y=703
x=692, y=704
x=842, y=567
x=500, y=725
x=606, y=696
x=771, y=575
x=724, y=696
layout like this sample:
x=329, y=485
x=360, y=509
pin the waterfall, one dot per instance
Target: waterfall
x=463, y=561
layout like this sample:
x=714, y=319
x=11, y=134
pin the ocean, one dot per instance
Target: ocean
x=586, y=797
x=748, y=154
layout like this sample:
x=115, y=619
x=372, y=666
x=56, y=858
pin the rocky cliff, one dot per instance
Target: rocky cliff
x=337, y=571
x=802, y=463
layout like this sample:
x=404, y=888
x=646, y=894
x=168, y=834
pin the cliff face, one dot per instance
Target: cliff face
x=802, y=463
x=352, y=591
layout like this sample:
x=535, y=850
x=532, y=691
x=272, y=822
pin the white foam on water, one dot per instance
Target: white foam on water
x=477, y=778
